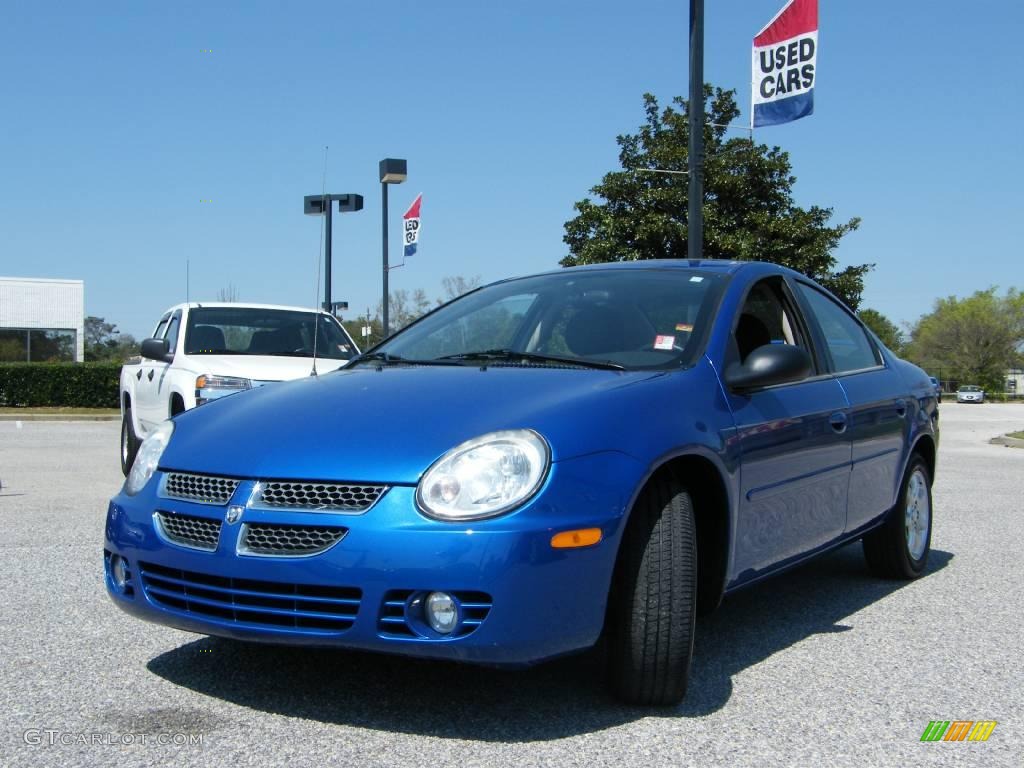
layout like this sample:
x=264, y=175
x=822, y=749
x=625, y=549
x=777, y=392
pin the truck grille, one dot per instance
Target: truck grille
x=339, y=497
x=188, y=530
x=246, y=602
x=288, y=540
x=205, y=489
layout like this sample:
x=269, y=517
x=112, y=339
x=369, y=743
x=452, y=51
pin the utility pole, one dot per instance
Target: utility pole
x=695, y=153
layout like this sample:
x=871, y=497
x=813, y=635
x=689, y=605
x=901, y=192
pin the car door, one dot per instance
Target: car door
x=146, y=386
x=794, y=454
x=880, y=406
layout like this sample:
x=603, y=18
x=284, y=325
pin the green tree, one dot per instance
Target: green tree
x=884, y=328
x=977, y=338
x=749, y=212
x=104, y=342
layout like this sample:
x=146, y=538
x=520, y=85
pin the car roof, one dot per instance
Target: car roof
x=722, y=266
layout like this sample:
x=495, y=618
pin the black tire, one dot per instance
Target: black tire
x=888, y=549
x=652, y=606
x=129, y=442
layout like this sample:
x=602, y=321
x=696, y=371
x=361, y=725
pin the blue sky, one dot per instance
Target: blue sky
x=114, y=125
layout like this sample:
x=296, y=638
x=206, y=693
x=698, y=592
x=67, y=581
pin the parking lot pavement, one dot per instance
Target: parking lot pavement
x=821, y=666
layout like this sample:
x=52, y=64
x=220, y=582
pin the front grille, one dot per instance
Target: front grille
x=206, y=489
x=401, y=613
x=341, y=497
x=288, y=540
x=189, y=531
x=250, y=603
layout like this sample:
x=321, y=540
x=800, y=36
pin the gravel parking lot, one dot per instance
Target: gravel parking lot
x=821, y=666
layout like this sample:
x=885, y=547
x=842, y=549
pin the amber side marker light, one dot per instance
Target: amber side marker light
x=585, y=537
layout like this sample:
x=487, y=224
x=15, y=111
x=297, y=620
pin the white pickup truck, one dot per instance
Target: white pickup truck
x=202, y=351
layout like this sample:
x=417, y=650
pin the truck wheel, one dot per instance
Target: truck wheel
x=899, y=549
x=129, y=442
x=652, y=607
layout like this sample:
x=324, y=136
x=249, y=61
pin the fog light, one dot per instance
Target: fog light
x=119, y=572
x=442, y=612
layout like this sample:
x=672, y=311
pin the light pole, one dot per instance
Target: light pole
x=318, y=205
x=695, y=212
x=392, y=171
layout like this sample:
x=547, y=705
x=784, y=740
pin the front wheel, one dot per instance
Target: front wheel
x=652, y=606
x=129, y=442
x=899, y=549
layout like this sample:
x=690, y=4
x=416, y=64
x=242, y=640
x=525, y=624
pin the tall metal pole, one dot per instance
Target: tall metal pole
x=327, y=254
x=384, y=240
x=695, y=160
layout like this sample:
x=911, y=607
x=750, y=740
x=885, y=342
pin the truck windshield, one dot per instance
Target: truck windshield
x=256, y=331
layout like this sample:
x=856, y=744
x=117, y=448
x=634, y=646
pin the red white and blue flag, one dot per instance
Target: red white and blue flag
x=411, y=226
x=785, y=55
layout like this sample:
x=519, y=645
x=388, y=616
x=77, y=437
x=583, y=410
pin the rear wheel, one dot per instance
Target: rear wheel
x=899, y=549
x=129, y=442
x=652, y=606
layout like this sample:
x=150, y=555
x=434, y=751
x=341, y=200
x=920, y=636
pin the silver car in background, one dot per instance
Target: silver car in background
x=970, y=394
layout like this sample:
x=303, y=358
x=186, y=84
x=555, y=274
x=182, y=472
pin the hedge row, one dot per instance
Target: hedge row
x=70, y=385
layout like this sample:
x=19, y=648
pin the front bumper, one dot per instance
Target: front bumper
x=521, y=601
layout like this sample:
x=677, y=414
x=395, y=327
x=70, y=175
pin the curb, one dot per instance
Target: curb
x=57, y=417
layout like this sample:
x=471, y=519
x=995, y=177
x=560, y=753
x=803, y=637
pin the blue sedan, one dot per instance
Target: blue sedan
x=600, y=451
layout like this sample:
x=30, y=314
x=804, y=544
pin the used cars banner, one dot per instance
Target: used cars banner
x=784, y=59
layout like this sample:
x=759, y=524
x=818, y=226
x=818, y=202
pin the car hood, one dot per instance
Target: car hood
x=259, y=367
x=389, y=424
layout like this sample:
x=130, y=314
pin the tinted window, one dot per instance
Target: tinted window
x=172, y=332
x=767, y=318
x=255, y=331
x=847, y=343
x=637, y=318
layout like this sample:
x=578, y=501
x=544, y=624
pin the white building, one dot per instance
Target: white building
x=43, y=315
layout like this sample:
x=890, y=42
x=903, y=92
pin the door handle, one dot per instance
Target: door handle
x=838, y=422
x=138, y=374
x=150, y=377
x=901, y=408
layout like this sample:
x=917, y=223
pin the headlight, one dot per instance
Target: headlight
x=485, y=476
x=148, y=457
x=210, y=387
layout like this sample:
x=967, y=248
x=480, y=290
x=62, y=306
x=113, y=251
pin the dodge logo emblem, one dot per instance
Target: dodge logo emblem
x=233, y=515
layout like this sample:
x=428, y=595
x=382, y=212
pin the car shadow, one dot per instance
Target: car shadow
x=561, y=698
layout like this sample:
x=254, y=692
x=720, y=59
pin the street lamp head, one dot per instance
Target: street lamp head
x=315, y=205
x=392, y=171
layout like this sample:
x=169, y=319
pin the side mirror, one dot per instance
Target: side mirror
x=769, y=365
x=156, y=349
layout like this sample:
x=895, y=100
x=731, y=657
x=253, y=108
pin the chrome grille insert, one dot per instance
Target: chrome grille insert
x=188, y=530
x=310, y=608
x=333, y=497
x=272, y=540
x=205, y=489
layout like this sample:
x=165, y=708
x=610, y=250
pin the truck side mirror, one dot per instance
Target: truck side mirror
x=156, y=349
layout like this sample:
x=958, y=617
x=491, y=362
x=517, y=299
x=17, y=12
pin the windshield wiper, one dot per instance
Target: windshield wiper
x=508, y=355
x=386, y=358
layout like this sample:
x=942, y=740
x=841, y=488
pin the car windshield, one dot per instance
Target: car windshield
x=615, y=318
x=970, y=389
x=256, y=331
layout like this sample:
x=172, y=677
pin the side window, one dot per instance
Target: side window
x=848, y=345
x=172, y=331
x=767, y=318
x=160, y=327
